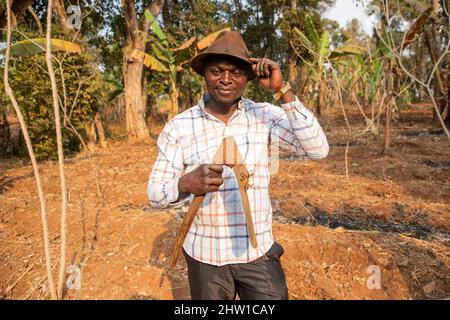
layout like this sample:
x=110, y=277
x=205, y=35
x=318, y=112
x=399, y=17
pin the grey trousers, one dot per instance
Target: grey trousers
x=261, y=279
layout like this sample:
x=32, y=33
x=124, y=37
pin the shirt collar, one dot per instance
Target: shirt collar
x=241, y=104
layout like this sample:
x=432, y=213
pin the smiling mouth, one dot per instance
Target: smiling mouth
x=224, y=92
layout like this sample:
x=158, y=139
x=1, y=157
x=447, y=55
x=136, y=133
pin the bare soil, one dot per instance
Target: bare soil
x=393, y=212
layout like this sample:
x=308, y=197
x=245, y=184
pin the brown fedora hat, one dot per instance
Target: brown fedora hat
x=227, y=43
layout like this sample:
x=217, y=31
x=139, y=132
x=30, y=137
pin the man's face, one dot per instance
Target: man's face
x=225, y=80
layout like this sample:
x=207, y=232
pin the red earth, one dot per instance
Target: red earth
x=391, y=213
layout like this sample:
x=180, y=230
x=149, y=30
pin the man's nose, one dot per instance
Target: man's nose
x=226, y=77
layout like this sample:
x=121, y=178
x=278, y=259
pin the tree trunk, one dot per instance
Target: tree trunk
x=60, y=12
x=90, y=135
x=5, y=134
x=135, y=102
x=100, y=130
x=133, y=68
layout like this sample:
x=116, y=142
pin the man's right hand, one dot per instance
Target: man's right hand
x=206, y=178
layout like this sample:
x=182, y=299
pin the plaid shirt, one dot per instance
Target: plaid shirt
x=218, y=235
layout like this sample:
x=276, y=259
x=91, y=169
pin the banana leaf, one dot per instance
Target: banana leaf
x=185, y=52
x=324, y=50
x=153, y=64
x=38, y=45
x=161, y=53
x=187, y=45
x=155, y=26
x=346, y=50
x=314, y=36
x=307, y=44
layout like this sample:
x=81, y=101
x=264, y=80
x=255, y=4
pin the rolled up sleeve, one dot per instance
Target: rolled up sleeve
x=296, y=128
x=162, y=188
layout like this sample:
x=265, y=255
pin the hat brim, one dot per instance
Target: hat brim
x=198, y=62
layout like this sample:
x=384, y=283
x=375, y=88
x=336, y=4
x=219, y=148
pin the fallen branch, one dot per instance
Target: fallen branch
x=8, y=290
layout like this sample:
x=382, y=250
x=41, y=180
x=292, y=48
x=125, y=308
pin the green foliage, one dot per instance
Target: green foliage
x=181, y=20
x=168, y=59
x=32, y=88
x=271, y=28
x=105, y=33
x=165, y=58
x=319, y=45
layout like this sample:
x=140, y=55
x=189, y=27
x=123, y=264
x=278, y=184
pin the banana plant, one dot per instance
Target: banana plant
x=164, y=58
x=322, y=54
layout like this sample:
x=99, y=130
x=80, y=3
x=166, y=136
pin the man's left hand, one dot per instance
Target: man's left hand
x=268, y=73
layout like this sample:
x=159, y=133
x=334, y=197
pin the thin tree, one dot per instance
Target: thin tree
x=51, y=72
x=27, y=139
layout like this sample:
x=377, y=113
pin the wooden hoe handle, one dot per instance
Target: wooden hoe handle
x=242, y=176
x=182, y=233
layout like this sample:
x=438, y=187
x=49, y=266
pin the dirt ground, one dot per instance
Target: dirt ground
x=393, y=213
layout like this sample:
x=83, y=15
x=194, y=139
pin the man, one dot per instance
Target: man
x=221, y=262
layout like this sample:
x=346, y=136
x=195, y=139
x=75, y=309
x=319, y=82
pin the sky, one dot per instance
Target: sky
x=345, y=10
